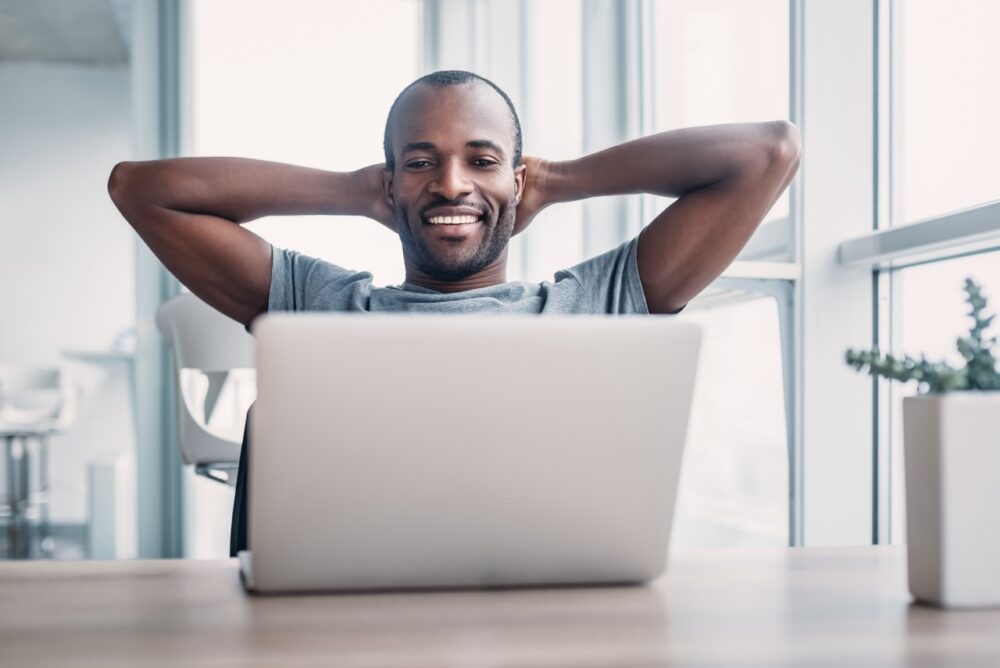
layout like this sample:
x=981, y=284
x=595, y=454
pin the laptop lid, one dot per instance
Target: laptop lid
x=403, y=451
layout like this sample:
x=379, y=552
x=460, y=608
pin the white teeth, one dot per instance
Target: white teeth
x=452, y=220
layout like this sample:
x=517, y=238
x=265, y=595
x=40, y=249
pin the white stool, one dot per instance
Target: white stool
x=33, y=406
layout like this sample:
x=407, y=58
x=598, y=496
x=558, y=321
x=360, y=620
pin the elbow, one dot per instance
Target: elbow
x=118, y=182
x=784, y=143
x=127, y=187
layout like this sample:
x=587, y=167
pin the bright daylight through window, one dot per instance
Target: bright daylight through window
x=724, y=62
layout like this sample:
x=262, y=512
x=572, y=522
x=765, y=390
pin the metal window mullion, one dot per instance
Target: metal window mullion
x=156, y=117
x=428, y=49
x=605, y=113
x=794, y=408
x=883, y=164
x=643, y=22
x=457, y=19
x=890, y=313
x=635, y=47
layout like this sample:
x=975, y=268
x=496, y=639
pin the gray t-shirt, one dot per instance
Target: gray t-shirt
x=607, y=283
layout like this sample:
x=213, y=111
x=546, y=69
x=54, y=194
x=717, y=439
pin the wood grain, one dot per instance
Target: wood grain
x=794, y=607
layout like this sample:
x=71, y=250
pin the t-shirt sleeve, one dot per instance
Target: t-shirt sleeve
x=303, y=283
x=611, y=280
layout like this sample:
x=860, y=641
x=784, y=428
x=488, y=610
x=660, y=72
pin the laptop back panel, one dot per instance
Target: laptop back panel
x=399, y=451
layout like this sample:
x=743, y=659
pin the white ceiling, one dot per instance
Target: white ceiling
x=66, y=31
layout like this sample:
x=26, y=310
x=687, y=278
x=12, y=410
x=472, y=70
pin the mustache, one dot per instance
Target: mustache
x=441, y=201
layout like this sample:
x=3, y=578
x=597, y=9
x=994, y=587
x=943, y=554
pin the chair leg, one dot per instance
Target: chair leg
x=17, y=495
x=45, y=542
x=9, y=466
x=24, y=500
x=784, y=294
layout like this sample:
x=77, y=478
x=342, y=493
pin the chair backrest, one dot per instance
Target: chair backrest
x=202, y=338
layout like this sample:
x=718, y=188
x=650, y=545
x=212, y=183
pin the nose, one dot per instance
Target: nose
x=452, y=181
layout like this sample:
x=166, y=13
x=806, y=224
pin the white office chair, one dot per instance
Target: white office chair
x=35, y=403
x=204, y=340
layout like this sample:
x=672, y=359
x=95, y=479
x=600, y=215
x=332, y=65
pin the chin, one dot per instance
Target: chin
x=445, y=271
x=472, y=255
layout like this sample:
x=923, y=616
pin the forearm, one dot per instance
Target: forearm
x=668, y=163
x=239, y=189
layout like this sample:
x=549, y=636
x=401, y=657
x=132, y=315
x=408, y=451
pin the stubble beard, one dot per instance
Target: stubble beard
x=449, y=268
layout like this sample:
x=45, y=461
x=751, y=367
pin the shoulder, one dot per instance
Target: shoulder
x=611, y=279
x=301, y=282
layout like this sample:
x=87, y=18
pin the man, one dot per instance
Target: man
x=455, y=187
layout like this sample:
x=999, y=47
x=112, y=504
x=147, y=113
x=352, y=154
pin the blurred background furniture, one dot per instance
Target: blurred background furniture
x=35, y=403
x=106, y=424
x=205, y=345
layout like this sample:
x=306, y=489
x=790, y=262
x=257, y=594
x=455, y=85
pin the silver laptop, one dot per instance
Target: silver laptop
x=394, y=451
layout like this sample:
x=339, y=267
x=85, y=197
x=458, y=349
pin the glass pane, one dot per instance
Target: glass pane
x=946, y=111
x=727, y=61
x=930, y=313
x=724, y=61
x=552, y=116
x=734, y=481
x=282, y=81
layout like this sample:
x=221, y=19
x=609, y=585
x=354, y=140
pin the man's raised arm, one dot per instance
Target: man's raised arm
x=726, y=178
x=189, y=211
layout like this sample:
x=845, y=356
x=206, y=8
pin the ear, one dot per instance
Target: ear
x=519, y=177
x=387, y=187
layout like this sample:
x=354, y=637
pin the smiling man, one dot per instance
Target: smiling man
x=455, y=187
x=454, y=226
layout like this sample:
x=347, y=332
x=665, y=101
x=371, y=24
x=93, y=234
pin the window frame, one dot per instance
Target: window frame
x=837, y=467
x=887, y=249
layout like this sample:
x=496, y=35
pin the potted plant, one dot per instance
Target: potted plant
x=951, y=444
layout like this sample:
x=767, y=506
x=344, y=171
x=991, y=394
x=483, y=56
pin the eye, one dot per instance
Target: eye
x=484, y=162
x=418, y=164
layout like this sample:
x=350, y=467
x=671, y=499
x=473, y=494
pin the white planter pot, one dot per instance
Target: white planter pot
x=952, y=457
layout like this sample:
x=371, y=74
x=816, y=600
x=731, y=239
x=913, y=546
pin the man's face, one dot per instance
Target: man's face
x=455, y=189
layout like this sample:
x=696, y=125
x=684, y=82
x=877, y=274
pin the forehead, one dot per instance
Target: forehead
x=450, y=116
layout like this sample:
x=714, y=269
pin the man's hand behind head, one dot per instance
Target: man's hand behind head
x=370, y=181
x=535, y=196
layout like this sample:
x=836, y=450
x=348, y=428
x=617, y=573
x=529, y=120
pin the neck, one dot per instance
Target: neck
x=495, y=273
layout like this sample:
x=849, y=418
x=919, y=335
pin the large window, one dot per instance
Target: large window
x=552, y=116
x=711, y=63
x=944, y=149
x=724, y=61
x=777, y=415
x=727, y=61
x=309, y=83
x=734, y=482
x=304, y=82
x=946, y=106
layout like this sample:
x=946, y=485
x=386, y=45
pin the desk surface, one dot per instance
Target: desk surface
x=805, y=606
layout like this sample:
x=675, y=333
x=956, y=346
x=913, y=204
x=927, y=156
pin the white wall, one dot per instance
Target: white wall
x=66, y=255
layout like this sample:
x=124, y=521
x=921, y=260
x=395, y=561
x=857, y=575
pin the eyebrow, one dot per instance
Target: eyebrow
x=475, y=143
x=484, y=143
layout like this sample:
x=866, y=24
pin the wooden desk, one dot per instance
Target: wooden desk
x=832, y=607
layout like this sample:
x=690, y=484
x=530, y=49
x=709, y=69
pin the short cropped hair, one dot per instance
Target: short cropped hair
x=448, y=78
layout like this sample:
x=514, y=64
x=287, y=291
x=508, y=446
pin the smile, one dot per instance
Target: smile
x=452, y=220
